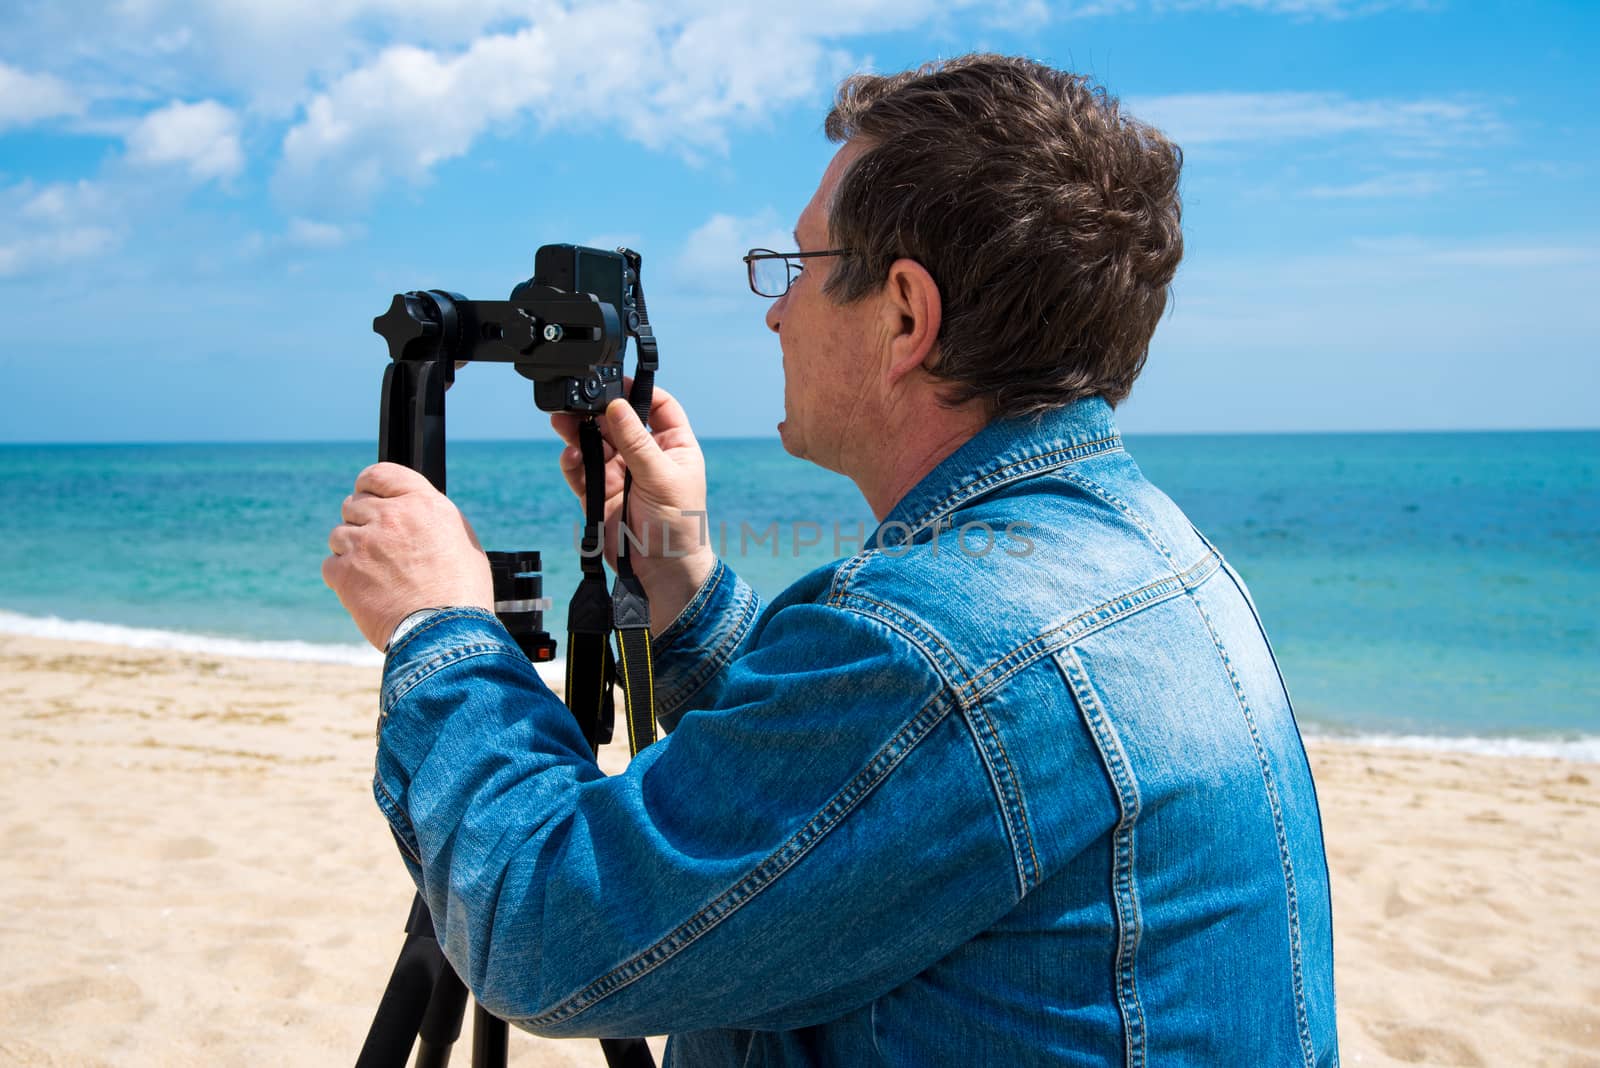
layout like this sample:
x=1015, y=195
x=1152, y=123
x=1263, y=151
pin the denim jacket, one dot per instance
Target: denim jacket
x=1044, y=804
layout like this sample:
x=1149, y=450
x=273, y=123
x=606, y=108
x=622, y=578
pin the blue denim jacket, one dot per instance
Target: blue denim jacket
x=1043, y=805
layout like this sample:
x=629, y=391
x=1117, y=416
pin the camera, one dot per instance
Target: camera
x=566, y=328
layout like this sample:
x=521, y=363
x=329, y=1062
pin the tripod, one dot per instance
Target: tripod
x=425, y=1000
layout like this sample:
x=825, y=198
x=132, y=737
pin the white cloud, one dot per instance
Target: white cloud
x=1383, y=332
x=380, y=90
x=42, y=251
x=1386, y=295
x=271, y=57
x=310, y=233
x=709, y=261
x=410, y=109
x=1014, y=14
x=678, y=80
x=44, y=227
x=27, y=98
x=1414, y=256
x=265, y=56
x=1332, y=9
x=203, y=138
x=1231, y=118
x=1090, y=9
x=56, y=204
x=1400, y=185
x=60, y=203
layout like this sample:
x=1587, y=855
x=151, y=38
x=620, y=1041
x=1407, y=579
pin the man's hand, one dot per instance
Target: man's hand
x=403, y=546
x=670, y=549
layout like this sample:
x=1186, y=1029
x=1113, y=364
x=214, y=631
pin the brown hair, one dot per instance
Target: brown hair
x=1047, y=217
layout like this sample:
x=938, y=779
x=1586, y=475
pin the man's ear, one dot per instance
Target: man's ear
x=912, y=312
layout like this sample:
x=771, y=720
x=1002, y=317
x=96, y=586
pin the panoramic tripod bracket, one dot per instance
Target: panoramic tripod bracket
x=566, y=343
x=411, y=432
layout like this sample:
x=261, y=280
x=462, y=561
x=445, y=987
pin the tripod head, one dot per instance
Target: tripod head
x=566, y=329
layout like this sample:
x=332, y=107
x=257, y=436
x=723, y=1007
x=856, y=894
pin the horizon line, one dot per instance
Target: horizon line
x=1136, y=434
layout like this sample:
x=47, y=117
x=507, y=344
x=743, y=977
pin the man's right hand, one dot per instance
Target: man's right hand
x=669, y=482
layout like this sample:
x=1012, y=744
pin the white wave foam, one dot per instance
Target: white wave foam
x=553, y=673
x=1585, y=749
x=176, y=641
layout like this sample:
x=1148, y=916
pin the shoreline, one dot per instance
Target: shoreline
x=1583, y=749
x=201, y=873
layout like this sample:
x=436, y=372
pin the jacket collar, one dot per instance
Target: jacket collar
x=1003, y=452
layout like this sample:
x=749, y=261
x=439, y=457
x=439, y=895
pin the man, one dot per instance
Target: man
x=936, y=804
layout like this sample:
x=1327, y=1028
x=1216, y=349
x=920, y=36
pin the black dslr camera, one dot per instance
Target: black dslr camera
x=566, y=328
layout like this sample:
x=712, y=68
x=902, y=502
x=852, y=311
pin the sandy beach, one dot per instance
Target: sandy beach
x=197, y=875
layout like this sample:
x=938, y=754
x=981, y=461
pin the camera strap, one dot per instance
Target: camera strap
x=631, y=617
x=592, y=669
x=593, y=613
x=630, y=607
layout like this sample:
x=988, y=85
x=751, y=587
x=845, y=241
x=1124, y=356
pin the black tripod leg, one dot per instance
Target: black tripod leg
x=406, y=998
x=441, y=1024
x=489, y=1040
x=627, y=1053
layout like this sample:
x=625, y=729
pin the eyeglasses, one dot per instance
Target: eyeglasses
x=772, y=273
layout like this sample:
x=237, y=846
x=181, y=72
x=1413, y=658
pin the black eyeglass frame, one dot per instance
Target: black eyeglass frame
x=755, y=254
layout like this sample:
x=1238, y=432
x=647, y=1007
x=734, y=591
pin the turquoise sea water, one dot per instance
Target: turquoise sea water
x=1442, y=585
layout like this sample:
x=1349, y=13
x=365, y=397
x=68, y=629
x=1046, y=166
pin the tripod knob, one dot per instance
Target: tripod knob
x=409, y=326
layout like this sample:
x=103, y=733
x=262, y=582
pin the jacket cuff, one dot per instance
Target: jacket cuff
x=408, y=624
x=439, y=638
x=408, y=730
x=702, y=641
x=455, y=687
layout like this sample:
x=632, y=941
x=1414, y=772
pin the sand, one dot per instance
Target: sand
x=195, y=874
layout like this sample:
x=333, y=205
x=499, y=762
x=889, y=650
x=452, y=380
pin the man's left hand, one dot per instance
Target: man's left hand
x=402, y=547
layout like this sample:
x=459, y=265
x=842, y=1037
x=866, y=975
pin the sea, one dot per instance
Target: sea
x=1421, y=589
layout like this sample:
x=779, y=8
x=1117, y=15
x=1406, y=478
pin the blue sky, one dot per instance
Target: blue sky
x=1389, y=207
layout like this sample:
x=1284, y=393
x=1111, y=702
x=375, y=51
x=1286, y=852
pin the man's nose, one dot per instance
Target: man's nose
x=775, y=313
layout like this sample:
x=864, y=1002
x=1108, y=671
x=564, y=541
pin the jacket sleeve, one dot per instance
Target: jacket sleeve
x=818, y=834
x=692, y=655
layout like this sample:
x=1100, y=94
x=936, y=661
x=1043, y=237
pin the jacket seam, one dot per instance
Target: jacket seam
x=1127, y=510
x=712, y=663
x=1316, y=802
x=1286, y=862
x=1008, y=794
x=889, y=757
x=911, y=629
x=439, y=618
x=838, y=587
x=404, y=833
x=695, y=607
x=1088, y=622
x=969, y=693
x=1011, y=472
x=434, y=664
x=1124, y=885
